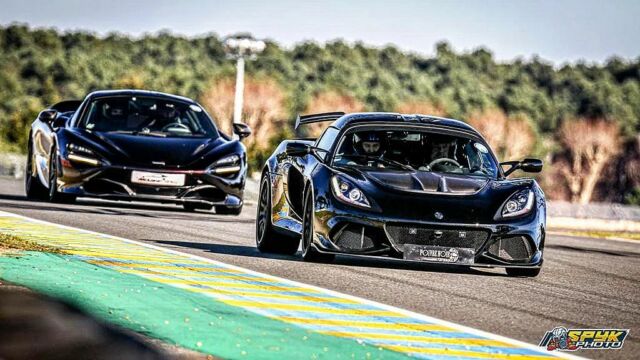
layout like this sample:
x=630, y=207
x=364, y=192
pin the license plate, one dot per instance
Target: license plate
x=159, y=179
x=439, y=254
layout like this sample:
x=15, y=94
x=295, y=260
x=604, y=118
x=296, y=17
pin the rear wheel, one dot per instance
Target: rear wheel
x=54, y=194
x=32, y=185
x=523, y=272
x=226, y=210
x=267, y=239
x=309, y=253
x=193, y=207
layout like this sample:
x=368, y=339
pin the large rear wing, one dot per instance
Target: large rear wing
x=313, y=118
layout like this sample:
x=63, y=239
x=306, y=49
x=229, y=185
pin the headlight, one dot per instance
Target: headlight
x=229, y=160
x=80, y=149
x=348, y=192
x=227, y=165
x=81, y=154
x=518, y=204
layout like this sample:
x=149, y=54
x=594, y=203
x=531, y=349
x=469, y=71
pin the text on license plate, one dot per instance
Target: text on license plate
x=150, y=178
x=441, y=254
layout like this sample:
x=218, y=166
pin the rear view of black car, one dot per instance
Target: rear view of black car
x=136, y=145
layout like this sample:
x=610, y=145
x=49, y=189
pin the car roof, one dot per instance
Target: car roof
x=386, y=117
x=131, y=92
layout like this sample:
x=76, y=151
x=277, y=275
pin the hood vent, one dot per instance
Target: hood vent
x=422, y=181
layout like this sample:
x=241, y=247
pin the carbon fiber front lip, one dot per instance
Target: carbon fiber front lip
x=488, y=230
x=389, y=258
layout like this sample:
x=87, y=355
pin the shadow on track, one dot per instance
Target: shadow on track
x=595, y=251
x=344, y=260
x=101, y=207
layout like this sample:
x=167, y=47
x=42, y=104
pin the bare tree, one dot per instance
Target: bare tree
x=512, y=138
x=520, y=139
x=218, y=100
x=328, y=101
x=632, y=166
x=264, y=108
x=590, y=146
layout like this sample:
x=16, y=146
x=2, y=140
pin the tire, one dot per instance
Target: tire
x=267, y=239
x=32, y=185
x=523, y=272
x=193, y=207
x=309, y=253
x=53, y=194
x=226, y=210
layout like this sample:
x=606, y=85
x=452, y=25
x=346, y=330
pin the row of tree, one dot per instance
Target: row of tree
x=583, y=119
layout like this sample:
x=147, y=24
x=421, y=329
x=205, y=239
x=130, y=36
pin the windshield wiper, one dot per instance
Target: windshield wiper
x=141, y=133
x=152, y=133
x=121, y=132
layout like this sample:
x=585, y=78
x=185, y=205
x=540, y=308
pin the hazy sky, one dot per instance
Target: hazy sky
x=557, y=30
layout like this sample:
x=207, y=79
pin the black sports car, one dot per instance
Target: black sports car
x=413, y=187
x=136, y=145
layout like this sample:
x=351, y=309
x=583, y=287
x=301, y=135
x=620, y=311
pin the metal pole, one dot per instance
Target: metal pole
x=237, y=103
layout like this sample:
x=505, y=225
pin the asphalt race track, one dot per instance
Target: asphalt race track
x=585, y=283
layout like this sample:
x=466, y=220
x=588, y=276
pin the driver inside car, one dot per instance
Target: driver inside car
x=370, y=146
x=164, y=117
x=161, y=117
x=444, y=157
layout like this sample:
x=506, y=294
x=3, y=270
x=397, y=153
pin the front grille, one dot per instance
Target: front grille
x=101, y=187
x=355, y=237
x=401, y=234
x=157, y=190
x=118, y=182
x=124, y=176
x=514, y=248
x=208, y=194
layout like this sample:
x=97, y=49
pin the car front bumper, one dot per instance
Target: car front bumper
x=114, y=183
x=515, y=244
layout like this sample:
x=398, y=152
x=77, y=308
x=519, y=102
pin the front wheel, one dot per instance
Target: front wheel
x=523, y=272
x=32, y=185
x=309, y=253
x=54, y=194
x=267, y=239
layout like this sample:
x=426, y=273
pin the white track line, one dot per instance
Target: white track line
x=408, y=313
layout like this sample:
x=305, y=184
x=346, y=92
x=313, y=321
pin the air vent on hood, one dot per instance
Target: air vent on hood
x=423, y=181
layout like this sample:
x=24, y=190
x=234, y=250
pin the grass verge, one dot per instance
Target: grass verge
x=601, y=234
x=10, y=243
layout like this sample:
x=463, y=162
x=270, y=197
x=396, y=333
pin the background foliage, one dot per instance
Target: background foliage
x=532, y=104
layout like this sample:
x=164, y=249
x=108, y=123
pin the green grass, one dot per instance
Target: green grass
x=602, y=234
x=12, y=242
x=6, y=147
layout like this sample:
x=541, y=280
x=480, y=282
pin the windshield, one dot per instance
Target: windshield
x=415, y=150
x=148, y=116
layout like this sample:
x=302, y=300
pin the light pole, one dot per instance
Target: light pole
x=241, y=47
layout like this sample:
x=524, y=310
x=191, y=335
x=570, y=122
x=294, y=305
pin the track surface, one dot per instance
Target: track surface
x=585, y=283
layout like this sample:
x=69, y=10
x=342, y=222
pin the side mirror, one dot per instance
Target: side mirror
x=531, y=165
x=47, y=116
x=297, y=149
x=526, y=165
x=242, y=130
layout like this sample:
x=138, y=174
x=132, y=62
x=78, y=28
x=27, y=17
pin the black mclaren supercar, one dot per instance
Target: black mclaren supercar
x=412, y=187
x=136, y=145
